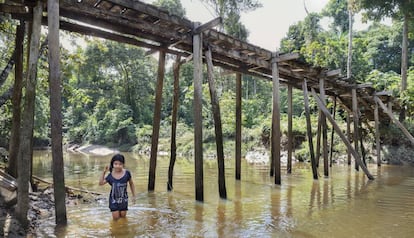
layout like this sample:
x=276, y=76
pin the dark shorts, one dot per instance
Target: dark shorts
x=118, y=206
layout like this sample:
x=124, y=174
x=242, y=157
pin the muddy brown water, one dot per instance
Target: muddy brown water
x=346, y=204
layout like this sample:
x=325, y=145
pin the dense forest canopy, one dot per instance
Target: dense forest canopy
x=108, y=87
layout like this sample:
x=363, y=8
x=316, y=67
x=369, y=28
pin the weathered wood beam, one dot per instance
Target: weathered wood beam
x=85, y=30
x=55, y=86
x=287, y=57
x=218, y=37
x=117, y=22
x=208, y=25
x=333, y=73
x=275, y=139
x=13, y=9
x=398, y=123
x=198, y=118
x=153, y=11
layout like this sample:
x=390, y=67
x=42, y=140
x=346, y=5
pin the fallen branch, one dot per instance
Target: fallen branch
x=67, y=187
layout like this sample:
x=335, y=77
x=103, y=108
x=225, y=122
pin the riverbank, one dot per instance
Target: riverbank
x=41, y=206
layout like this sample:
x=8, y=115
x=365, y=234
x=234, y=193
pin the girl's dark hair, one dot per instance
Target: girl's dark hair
x=117, y=157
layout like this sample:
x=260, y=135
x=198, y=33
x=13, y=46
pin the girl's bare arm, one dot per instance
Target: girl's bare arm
x=132, y=186
x=102, y=180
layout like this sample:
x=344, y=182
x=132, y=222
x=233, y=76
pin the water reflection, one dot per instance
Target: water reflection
x=300, y=207
x=120, y=228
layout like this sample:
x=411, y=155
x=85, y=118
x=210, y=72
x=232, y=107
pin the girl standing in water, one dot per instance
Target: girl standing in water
x=118, y=178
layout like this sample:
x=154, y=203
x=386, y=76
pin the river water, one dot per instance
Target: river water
x=346, y=204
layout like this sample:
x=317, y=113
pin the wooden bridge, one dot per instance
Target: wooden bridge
x=143, y=25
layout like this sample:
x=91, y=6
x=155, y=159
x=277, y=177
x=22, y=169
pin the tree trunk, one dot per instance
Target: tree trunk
x=6, y=71
x=404, y=64
x=349, y=60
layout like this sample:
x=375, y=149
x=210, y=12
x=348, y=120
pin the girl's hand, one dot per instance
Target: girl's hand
x=106, y=169
x=133, y=200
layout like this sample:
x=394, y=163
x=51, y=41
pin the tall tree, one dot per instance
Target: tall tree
x=398, y=10
x=342, y=13
x=229, y=11
x=173, y=6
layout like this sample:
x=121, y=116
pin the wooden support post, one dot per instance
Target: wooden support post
x=348, y=133
x=238, y=124
x=16, y=100
x=309, y=129
x=290, y=134
x=324, y=130
x=363, y=154
x=215, y=107
x=377, y=135
x=198, y=118
x=55, y=85
x=398, y=123
x=275, y=140
x=356, y=122
x=339, y=132
x=318, y=139
x=156, y=121
x=176, y=96
x=25, y=149
x=332, y=135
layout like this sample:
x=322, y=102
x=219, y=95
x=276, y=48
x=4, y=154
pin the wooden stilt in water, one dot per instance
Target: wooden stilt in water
x=198, y=118
x=324, y=130
x=156, y=121
x=309, y=129
x=290, y=134
x=215, y=106
x=275, y=140
x=348, y=133
x=26, y=148
x=238, y=124
x=318, y=139
x=377, y=135
x=339, y=132
x=332, y=134
x=14, y=140
x=55, y=85
x=176, y=96
x=355, y=113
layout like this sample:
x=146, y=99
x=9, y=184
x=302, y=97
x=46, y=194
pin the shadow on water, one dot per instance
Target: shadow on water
x=346, y=204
